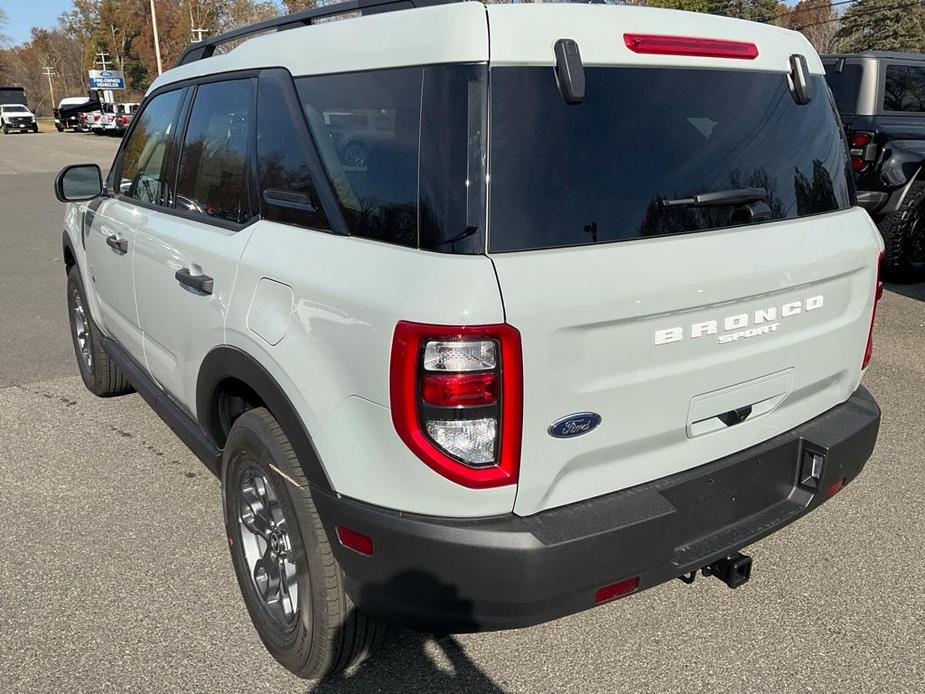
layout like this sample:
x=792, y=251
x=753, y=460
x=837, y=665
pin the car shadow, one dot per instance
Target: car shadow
x=403, y=664
x=913, y=291
x=414, y=661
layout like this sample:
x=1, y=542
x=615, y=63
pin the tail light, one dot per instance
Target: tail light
x=686, y=45
x=457, y=399
x=863, y=149
x=123, y=120
x=878, y=292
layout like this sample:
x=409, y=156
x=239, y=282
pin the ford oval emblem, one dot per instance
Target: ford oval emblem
x=574, y=425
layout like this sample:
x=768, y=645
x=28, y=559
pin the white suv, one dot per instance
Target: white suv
x=590, y=313
x=17, y=118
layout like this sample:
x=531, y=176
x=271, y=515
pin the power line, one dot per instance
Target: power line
x=874, y=10
x=807, y=9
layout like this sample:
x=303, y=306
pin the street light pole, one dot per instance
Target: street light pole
x=157, y=43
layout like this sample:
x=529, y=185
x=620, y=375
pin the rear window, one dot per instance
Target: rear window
x=604, y=170
x=904, y=89
x=845, y=85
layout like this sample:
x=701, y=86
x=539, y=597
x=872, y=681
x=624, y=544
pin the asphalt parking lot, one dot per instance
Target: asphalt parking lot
x=115, y=573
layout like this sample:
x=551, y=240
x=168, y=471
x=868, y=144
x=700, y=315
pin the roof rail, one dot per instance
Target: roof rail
x=206, y=48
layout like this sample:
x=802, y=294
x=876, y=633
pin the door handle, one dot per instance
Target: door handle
x=117, y=244
x=201, y=283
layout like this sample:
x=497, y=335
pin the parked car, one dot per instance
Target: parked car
x=461, y=411
x=67, y=115
x=881, y=99
x=115, y=121
x=17, y=118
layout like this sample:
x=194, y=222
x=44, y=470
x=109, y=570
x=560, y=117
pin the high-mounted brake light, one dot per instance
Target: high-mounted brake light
x=690, y=46
x=878, y=292
x=456, y=394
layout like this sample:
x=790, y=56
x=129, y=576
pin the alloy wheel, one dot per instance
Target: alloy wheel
x=81, y=330
x=267, y=547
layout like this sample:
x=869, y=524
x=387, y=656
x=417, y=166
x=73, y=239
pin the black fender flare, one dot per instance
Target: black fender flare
x=903, y=161
x=67, y=248
x=231, y=362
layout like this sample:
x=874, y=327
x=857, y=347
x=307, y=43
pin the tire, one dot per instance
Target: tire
x=59, y=128
x=35, y=129
x=6, y=130
x=355, y=154
x=311, y=628
x=904, y=237
x=99, y=373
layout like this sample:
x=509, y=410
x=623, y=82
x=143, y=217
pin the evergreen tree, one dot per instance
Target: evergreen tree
x=885, y=25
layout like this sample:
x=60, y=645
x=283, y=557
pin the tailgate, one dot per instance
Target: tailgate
x=664, y=337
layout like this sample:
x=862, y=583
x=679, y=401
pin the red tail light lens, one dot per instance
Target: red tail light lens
x=861, y=139
x=457, y=399
x=858, y=164
x=461, y=390
x=686, y=45
x=878, y=292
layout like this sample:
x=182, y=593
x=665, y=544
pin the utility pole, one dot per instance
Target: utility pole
x=48, y=72
x=157, y=43
x=101, y=57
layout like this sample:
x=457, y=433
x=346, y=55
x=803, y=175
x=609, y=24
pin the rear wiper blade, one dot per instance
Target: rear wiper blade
x=738, y=196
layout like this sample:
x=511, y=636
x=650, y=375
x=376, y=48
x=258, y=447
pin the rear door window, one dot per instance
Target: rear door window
x=904, y=89
x=213, y=175
x=618, y=166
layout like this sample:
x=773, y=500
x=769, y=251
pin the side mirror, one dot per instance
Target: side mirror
x=78, y=182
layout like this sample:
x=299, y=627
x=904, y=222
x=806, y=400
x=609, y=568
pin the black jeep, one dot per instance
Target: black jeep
x=881, y=98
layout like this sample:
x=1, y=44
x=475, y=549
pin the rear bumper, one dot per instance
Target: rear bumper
x=510, y=571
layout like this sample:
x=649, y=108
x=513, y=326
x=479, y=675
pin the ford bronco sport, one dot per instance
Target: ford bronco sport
x=590, y=314
x=881, y=98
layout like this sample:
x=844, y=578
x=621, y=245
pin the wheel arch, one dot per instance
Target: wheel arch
x=70, y=257
x=230, y=371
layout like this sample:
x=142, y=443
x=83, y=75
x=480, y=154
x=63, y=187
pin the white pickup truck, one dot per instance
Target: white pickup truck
x=591, y=312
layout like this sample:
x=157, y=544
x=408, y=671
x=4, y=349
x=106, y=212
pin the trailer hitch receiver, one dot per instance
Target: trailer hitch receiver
x=733, y=570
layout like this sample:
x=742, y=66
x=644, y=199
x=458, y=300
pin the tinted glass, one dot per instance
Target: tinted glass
x=142, y=173
x=845, y=85
x=601, y=171
x=366, y=126
x=453, y=154
x=213, y=162
x=283, y=156
x=904, y=89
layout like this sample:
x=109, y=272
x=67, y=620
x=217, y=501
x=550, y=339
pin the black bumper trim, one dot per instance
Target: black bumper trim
x=510, y=571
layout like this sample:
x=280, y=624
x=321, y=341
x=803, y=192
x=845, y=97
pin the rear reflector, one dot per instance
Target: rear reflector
x=616, y=590
x=686, y=45
x=358, y=542
x=834, y=488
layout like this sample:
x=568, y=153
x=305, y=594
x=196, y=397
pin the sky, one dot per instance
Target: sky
x=25, y=14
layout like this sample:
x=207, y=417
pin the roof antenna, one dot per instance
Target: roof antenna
x=570, y=72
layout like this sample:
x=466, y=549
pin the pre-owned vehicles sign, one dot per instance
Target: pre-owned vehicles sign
x=106, y=79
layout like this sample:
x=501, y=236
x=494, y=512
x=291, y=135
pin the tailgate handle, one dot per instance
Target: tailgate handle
x=736, y=416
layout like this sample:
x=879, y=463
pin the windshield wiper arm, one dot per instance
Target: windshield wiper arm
x=738, y=196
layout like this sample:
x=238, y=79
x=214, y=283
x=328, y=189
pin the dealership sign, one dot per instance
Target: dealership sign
x=106, y=79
